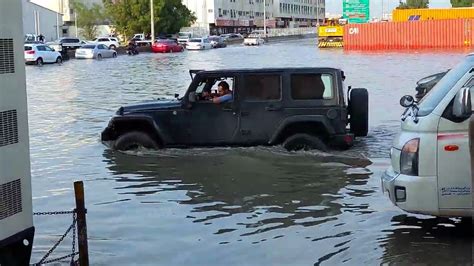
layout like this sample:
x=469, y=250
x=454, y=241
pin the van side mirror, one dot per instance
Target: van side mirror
x=192, y=97
x=462, y=104
x=407, y=101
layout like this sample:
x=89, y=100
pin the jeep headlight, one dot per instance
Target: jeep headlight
x=409, y=158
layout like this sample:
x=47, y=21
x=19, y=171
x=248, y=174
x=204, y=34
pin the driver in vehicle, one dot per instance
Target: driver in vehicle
x=225, y=94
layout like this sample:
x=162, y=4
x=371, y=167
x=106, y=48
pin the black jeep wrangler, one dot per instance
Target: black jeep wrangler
x=299, y=108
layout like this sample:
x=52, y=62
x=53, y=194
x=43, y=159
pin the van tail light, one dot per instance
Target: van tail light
x=30, y=52
x=409, y=158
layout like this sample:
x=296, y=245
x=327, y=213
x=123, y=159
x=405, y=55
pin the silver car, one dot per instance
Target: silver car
x=95, y=51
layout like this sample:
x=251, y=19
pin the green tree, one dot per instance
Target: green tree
x=88, y=18
x=411, y=4
x=133, y=16
x=461, y=3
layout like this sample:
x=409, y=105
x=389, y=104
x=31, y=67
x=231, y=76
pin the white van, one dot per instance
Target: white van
x=431, y=168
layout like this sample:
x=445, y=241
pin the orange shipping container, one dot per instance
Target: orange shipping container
x=433, y=13
x=457, y=33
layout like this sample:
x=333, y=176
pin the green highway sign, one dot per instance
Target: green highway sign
x=356, y=11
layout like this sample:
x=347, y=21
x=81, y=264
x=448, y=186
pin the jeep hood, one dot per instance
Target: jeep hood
x=150, y=106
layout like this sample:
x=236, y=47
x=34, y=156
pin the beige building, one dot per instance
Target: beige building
x=223, y=16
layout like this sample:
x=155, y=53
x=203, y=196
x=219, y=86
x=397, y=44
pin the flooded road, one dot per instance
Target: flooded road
x=240, y=206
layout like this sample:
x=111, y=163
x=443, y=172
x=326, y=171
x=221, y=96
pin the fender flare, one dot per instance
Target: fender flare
x=143, y=119
x=301, y=118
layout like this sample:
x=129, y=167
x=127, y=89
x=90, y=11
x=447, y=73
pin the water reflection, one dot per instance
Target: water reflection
x=242, y=181
x=415, y=240
x=256, y=191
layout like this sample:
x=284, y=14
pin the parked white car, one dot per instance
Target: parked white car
x=254, y=39
x=184, y=37
x=66, y=42
x=95, y=51
x=110, y=42
x=40, y=53
x=431, y=163
x=198, y=44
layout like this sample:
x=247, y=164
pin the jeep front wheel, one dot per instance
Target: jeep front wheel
x=305, y=142
x=134, y=140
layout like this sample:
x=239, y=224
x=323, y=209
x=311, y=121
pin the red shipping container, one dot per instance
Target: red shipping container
x=454, y=33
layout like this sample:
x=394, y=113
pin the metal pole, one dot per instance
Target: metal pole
x=317, y=12
x=81, y=224
x=75, y=21
x=152, y=22
x=57, y=26
x=264, y=19
x=382, y=11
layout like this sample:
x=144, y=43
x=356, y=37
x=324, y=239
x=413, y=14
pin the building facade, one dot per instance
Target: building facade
x=224, y=16
x=41, y=20
x=65, y=8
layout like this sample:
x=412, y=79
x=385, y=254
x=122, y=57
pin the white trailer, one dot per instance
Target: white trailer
x=16, y=220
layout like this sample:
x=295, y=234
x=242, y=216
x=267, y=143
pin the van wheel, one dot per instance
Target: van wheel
x=134, y=140
x=112, y=47
x=359, y=112
x=59, y=60
x=39, y=61
x=99, y=57
x=305, y=142
x=114, y=55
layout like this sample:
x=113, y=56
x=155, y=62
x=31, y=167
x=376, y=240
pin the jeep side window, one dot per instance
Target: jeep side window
x=311, y=86
x=262, y=87
x=207, y=88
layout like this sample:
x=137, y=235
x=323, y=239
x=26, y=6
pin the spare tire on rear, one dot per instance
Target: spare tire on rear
x=133, y=140
x=359, y=111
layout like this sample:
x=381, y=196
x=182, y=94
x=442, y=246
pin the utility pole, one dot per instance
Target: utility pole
x=57, y=21
x=264, y=19
x=152, y=22
x=75, y=21
x=317, y=12
x=382, y=11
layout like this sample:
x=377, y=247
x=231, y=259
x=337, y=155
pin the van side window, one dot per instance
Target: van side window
x=311, y=86
x=262, y=87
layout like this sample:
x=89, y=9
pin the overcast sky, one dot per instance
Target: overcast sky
x=335, y=6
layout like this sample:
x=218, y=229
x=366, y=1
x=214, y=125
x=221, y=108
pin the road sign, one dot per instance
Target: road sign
x=356, y=11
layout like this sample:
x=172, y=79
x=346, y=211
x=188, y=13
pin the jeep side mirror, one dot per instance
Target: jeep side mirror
x=192, y=97
x=407, y=101
x=462, y=103
x=176, y=95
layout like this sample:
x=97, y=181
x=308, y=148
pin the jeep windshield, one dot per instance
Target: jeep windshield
x=439, y=91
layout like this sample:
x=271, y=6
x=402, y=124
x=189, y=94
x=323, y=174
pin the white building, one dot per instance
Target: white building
x=41, y=20
x=69, y=17
x=223, y=16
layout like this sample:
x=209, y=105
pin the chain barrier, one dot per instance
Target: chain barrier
x=71, y=227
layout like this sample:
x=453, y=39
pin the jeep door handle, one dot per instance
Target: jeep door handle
x=273, y=108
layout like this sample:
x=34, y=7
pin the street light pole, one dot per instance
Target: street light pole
x=152, y=22
x=264, y=19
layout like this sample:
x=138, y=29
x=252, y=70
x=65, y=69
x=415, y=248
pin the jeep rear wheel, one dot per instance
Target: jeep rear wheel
x=305, y=142
x=359, y=112
x=134, y=140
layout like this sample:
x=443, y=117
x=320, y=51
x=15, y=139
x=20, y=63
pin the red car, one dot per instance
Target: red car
x=166, y=46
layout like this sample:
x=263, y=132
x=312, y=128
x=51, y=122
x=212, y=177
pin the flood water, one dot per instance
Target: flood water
x=223, y=206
